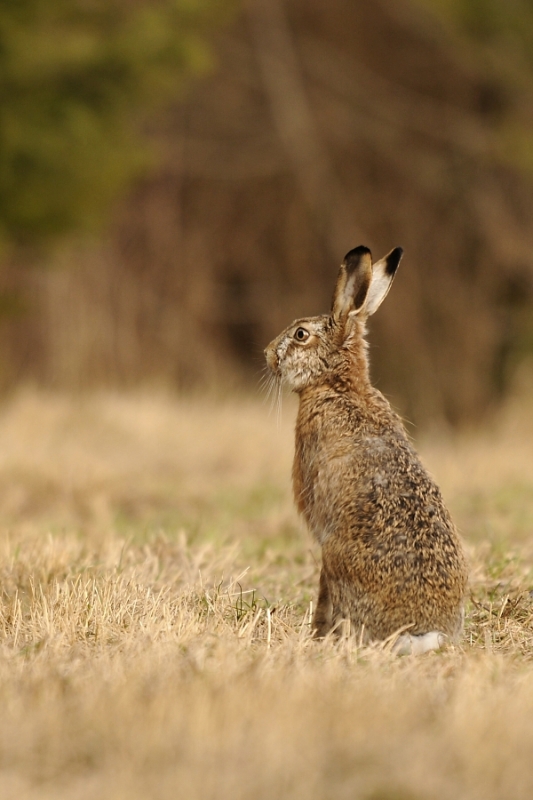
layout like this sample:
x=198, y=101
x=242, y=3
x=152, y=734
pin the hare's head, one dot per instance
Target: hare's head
x=313, y=348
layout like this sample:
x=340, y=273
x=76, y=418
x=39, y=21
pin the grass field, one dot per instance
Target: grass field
x=156, y=595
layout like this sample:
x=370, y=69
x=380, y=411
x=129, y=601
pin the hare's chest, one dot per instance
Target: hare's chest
x=304, y=474
x=319, y=475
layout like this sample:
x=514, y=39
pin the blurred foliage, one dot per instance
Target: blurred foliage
x=509, y=24
x=297, y=145
x=499, y=38
x=77, y=79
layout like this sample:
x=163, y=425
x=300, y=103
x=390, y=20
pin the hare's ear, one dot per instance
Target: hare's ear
x=353, y=282
x=383, y=272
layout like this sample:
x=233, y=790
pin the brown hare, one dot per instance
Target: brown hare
x=392, y=561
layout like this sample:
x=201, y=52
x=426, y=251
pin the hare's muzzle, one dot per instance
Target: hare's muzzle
x=272, y=359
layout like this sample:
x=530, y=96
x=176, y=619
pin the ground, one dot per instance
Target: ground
x=157, y=587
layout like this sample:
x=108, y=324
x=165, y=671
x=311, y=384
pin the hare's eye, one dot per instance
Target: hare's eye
x=301, y=334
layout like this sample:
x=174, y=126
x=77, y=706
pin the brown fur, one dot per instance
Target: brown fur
x=392, y=558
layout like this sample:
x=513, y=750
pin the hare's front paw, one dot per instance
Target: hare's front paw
x=322, y=618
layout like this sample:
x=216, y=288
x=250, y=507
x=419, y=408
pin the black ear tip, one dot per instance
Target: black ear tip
x=354, y=255
x=393, y=260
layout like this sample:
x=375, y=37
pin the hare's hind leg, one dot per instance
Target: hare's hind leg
x=322, y=618
x=406, y=644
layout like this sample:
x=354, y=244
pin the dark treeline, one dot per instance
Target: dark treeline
x=320, y=126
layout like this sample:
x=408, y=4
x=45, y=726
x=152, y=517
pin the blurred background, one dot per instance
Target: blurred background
x=179, y=179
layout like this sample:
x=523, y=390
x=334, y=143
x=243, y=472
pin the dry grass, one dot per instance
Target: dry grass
x=154, y=621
